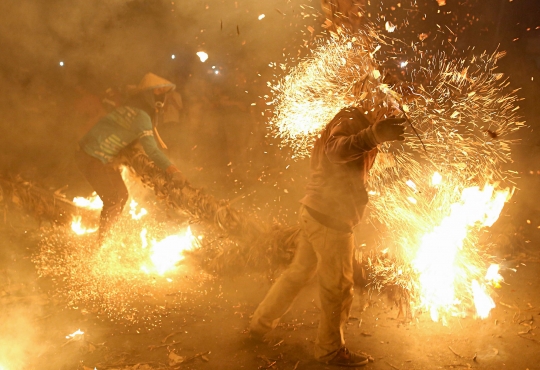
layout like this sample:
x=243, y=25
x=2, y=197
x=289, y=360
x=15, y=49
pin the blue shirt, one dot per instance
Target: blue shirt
x=117, y=130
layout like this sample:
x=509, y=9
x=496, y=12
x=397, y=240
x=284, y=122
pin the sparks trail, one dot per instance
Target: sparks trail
x=456, y=101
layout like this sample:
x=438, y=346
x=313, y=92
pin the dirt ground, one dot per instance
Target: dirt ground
x=203, y=319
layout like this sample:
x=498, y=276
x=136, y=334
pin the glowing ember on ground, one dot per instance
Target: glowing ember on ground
x=92, y=202
x=78, y=228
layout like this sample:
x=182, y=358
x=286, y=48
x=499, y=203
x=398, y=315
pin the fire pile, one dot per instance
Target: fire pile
x=137, y=259
x=434, y=194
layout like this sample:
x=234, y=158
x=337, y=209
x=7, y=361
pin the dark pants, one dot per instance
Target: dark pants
x=108, y=184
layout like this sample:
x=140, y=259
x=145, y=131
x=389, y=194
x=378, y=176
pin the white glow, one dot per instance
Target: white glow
x=436, y=179
x=216, y=72
x=202, y=56
x=493, y=276
x=92, y=202
x=404, y=64
x=390, y=27
x=173, y=56
x=261, y=16
x=74, y=334
x=78, y=228
x=61, y=64
x=482, y=301
x=412, y=185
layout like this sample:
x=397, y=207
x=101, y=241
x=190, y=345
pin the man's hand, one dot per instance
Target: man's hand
x=389, y=129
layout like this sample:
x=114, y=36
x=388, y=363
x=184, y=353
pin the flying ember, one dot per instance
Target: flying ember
x=202, y=56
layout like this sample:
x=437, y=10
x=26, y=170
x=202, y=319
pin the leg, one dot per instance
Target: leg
x=334, y=252
x=282, y=294
x=108, y=184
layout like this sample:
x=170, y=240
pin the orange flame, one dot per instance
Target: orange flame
x=166, y=253
x=436, y=259
x=78, y=228
x=133, y=210
x=92, y=202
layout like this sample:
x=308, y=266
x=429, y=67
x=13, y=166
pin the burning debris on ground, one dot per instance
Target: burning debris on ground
x=445, y=263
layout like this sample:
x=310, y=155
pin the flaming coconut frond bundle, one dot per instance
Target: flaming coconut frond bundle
x=241, y=240
x=436, y=190
x=45, y=205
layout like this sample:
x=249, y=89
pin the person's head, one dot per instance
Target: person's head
x=149, y=95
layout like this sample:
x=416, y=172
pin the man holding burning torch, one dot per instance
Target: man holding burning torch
x=136, y=120
x=334, y=203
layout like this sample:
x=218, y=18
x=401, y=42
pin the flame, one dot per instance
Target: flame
x=74, y=334
x=493, y=276
x=133, y=210
x=166, y=253
x=144, y=242
x=92, y=202
x=78, y=228
x=436, y=259
x=482, y=301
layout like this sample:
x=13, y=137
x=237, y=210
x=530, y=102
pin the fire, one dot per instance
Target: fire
x=133, y=210
x=166, y=253
x=482, y=301
x=78, y=228
x=493, y=276
x=437, y=258
x=92, y=202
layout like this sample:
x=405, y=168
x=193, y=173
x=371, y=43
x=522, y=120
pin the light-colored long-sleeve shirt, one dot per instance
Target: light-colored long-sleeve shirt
x=341, y=159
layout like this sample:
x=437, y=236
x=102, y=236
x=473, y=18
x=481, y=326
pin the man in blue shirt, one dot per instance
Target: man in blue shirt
x=133, y=121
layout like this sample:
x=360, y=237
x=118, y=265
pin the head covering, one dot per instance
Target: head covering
x=145, y=89
x=151, y=81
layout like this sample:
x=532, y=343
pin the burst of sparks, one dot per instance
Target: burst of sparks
x=452, y=104
x=139, y=255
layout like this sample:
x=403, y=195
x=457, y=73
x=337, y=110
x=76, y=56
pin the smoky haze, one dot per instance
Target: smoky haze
x=54, y=52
